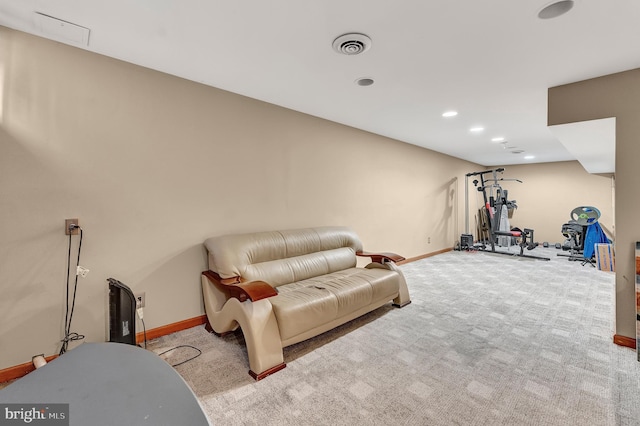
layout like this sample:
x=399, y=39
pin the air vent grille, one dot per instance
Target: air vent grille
x=352, y=44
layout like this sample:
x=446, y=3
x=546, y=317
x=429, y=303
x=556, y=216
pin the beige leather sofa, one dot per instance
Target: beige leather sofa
x=283, y=287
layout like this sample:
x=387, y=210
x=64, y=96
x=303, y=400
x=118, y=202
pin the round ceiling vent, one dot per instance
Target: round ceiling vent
x=352, y=44
x=555, y=9
x=364, y=81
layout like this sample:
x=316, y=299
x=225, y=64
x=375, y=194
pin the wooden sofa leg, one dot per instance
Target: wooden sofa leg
x=267, y=372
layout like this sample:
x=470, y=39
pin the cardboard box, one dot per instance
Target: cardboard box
x=605, y=258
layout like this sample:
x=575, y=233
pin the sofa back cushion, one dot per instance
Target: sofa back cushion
x=283, y=257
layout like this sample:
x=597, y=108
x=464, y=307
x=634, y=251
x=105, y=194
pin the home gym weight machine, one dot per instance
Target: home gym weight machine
x=494, y=217
x=578, y=230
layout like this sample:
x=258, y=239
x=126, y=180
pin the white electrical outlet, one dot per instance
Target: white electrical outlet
x=140, y=299
x=82, y=271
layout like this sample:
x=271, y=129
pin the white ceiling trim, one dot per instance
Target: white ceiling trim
x=592, y=143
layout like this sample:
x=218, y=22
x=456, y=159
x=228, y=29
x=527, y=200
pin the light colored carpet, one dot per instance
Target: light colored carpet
x=488, y=340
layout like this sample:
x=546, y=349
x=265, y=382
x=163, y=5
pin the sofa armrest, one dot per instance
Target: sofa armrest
x=239, y=289
x=381, y=257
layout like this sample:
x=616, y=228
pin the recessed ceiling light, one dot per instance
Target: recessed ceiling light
x=477, y=129
x=555, y=9
x=364, y=81
x=517, y=151
x=529, y=157
x=499, y=139
x=450, y=114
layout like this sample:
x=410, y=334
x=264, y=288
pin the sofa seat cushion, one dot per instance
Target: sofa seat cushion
x=310, y=303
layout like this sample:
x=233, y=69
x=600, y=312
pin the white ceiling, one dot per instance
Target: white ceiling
x=491, y=60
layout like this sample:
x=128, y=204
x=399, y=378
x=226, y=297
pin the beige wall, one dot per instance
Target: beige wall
x=616, y=95
x=550, y=191
x=152, y=165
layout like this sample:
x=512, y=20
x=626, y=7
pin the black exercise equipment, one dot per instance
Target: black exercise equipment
x=489, y=231
x=548, y=244
x=575, y=232
x=466, y=242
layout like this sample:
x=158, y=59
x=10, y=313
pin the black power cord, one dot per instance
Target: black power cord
x=144, y=330
x=68, y=335
x=186, y=360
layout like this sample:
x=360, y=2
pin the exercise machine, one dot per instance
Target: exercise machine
x=493, y=223
x=575, y=231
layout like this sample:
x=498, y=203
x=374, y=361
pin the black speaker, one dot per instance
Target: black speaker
x=122, y=313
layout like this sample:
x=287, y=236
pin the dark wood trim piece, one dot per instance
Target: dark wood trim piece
x=17, y=371
x=268, y=372
x=253, y=290
x=226, y=281
x=380, y=257
x=154, y=333
x=629, y=342
x=424, y=256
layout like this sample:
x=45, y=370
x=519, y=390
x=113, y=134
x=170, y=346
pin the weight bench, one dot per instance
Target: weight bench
x=524, y=235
